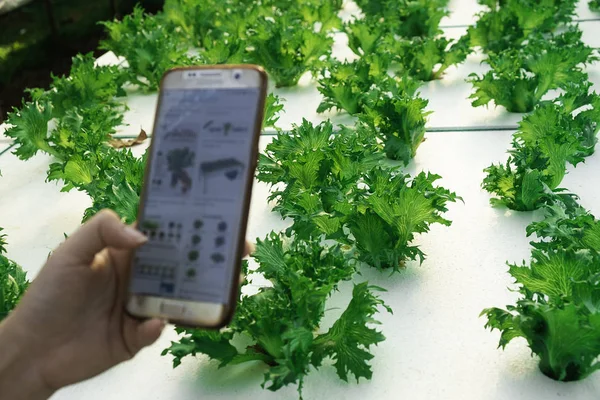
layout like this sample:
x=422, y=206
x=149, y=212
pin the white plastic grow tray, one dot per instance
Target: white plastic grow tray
x=448, y=97
x=436, y=345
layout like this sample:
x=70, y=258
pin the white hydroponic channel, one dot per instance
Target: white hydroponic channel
x=436, y=345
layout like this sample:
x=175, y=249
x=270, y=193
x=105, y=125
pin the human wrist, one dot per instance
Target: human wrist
x=19, y=375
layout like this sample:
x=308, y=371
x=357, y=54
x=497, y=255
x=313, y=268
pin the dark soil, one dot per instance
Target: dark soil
x=39, y=50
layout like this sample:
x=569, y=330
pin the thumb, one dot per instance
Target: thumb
x=105, y=229
x=139, y=334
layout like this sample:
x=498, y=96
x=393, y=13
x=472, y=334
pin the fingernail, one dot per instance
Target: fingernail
x=135, y=235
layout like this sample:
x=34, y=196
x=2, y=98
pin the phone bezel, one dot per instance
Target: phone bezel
x=203, y=314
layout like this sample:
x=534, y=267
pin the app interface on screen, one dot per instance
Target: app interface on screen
x=195, y=193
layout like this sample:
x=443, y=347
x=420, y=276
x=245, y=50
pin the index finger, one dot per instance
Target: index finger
x=105, y=229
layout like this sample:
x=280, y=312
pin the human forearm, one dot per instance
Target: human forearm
x=19, y=375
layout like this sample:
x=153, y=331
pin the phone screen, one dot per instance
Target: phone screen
x=194, y=199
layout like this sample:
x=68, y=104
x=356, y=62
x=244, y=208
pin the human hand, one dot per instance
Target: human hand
x=71, y=324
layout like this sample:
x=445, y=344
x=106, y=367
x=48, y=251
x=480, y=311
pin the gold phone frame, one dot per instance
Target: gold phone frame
x=203, y=314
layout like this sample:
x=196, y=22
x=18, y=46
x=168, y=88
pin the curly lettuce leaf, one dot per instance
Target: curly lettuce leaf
x=344, y=85
x=364, y=36
x=282, y=320
x=349, y=339
x=273, y=109
x=552, y=274
x=148, y=46
x=558, y=312
x=29, y=128
x=337, y=187
x=398, y=118
x=428, y=58
x=519, y=78
x=556, y=134
x=566, y=225
x=13, y=281
x=507, y=24
x=566, y=338
x=287, y=48
x=86, y=86
x=407, y=18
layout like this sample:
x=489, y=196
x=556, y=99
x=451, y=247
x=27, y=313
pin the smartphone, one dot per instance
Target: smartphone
x=196, y=195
